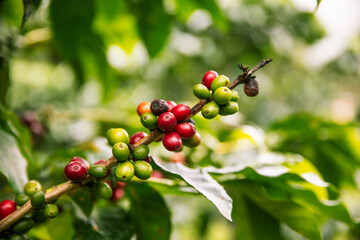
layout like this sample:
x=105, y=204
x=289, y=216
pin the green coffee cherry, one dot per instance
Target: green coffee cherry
x=220, y=81
x=192, y=142
x=51, y=210
x=21, y=199
x=234, y=96
x=143, y=170
x=38, y=216
x=115, y=135
x=222, y=95
x=98, y=171
x=31, y=187
x=210, y=110
x=141, y=152
x=23, y=225
x=229, y=108
x=103, y=190
x=121, y=151
x=37, y=199
x=148, y=120
x=201, y=91
x=124, y=171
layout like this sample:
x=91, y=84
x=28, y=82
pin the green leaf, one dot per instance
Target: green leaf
x=294, y=215
x=59, y=228
x=106, y=223
x=149, y=213
x=12, y=162
x=204, y=183
x=249, y=218
x=153, y=23
x=82, y=197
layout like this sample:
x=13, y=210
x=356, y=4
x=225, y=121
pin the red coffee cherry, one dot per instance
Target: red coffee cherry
x=79, y=159
x=208, y=77
x=75, y=171
x=142, y=108
x=148, y=159
x=186, y=130
x=181, y=112
x=6, y=208
x=171, y=104
x=172, y=141
x=159, y=106
x=137, y=137
x=167, y=122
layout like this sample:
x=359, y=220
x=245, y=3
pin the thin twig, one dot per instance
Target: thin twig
x=111, y=162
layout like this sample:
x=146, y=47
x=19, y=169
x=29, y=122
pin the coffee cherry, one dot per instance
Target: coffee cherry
x=159, y=106
x=75, y=171
x=103, y=190
x=186, y=130
x=6, y=208
x=98, y=171
x=23, y=225
x=229, y=108
x=251, y=88
x=121, y=151
x=51, y=210
x=79, y=159
x=141, y=152
x=201, y=91
x=234, y=96
x=181, y=112
x=166, y=122
x=193, y=142
x=101, y=161
x=210, y=110
x=124, y=171
x=115, y=135
x=220, y=81
x=171, y=104
x=148, y=120
x=21, y=199
x=208, y=78
x=222, y=95
x=172, y=141
x=38, y=216
x=31, y=187
x=142, y=108
x=37, y=200
x=137, y=137
x=143, y=170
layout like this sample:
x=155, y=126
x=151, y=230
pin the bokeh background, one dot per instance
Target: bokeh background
x=77, y=68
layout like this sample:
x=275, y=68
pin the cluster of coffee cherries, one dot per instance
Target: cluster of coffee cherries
x=41, y=210
x=220, y=99
x=131, y=162
x=78, y=169
x=173, y=120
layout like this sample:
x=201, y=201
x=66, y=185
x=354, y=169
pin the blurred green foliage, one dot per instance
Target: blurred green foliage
x=77, y=68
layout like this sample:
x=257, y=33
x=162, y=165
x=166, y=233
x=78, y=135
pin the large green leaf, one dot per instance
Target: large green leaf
x=153, y=23
x=82, y=197
x=204, y=183
x=60, y=228
x=251, y=221
x=12, y=162
x=297, y=217
x=106, y=223
x=149, y=213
